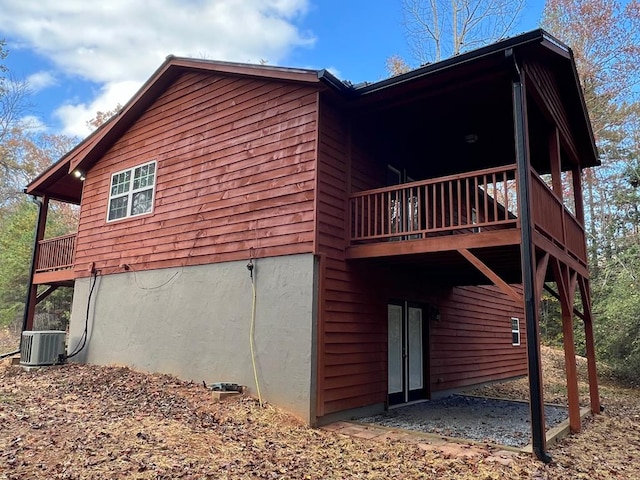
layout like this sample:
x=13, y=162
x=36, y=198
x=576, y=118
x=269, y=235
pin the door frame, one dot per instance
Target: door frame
x=407, y=395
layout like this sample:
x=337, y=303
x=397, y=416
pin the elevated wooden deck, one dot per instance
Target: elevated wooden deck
x=433, y=222
x=55, y=262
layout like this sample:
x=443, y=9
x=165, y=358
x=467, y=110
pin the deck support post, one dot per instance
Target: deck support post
x=536, y=399
x=566, y=282
x=594, y=394
x=32, y=289
x=576, y=176
x=554, y=156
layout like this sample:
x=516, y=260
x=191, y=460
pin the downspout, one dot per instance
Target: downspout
x=32, y=269
x=536, y=402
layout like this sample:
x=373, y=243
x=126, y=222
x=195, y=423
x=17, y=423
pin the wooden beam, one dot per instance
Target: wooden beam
x=573, y=283
x=445, y=243
x=46, y=293
x=559, y=277
x=563, y=280
x=541, y=273
x=543, y=243
x=594, y=394
x=490, y=274
x=554, y=157
x=578, y=198
x=63, y=277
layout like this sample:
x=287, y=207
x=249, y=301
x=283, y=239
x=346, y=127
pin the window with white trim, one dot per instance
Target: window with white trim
x=131, y=192
x=515, y=331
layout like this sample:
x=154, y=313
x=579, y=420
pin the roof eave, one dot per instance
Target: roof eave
x=432, y=68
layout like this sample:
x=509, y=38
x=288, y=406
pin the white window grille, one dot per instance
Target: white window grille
x=131, y=192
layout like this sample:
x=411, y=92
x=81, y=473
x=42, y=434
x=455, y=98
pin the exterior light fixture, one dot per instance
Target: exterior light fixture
x=79, y=174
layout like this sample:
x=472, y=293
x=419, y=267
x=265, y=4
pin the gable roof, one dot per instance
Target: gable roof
x=59, y=183
x=53, y=182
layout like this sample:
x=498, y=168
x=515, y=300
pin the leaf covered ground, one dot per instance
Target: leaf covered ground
x=78, y=421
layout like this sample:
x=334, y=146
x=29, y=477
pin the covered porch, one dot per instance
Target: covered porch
x=474, y=172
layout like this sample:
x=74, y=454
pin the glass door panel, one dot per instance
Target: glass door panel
x=416, y=361
x=395, y=360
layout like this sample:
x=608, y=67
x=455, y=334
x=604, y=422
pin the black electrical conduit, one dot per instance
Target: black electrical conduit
x=10, y=354
x=27, y=304
x=536, y=403
x=83, y=340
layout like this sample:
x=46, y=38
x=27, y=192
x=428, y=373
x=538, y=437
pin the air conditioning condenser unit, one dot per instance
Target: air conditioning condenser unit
x=41, y=347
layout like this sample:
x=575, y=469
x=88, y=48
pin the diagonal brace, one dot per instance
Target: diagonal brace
x=490, y=274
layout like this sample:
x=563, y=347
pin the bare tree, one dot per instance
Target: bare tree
x=13, y=107
x=103, y=117
x=438, y=29
x=396, y=65
x=605, y=38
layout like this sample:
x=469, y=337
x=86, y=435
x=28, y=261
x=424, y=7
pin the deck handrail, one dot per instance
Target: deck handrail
x=554, y=220
x=56, y=253
x=466, y=202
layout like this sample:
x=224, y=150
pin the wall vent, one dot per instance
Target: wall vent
x=41, y=348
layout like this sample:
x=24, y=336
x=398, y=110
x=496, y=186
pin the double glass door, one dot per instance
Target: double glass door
x=408, y=354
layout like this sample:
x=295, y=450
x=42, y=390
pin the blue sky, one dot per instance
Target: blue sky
x=80, y=57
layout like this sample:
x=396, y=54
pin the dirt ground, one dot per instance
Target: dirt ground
x=9, y=340
x=77, y=422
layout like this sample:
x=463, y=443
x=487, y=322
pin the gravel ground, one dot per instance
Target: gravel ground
x=502, y=422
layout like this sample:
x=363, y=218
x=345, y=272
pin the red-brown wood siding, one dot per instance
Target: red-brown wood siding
x=352, y=363
x=236, y=170
x=471, y=343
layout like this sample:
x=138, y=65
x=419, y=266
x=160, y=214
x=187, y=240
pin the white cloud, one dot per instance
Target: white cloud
x=41, y=80
x=74, y=117
x=119, y=41
x=32, y=123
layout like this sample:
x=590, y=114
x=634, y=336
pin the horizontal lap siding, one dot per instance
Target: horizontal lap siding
x=235, y=171
x=352, y=350
x=471, y=343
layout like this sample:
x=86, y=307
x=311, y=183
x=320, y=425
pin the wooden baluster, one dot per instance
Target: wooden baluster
x=467, y=205
x=459, y=220
x=485, y=216
x=494, y=188
x=505, y=195
x=476, y=193
x=361, y=211
x=375, y=215
x=434, y=200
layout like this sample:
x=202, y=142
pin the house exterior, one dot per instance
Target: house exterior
x=399, y=233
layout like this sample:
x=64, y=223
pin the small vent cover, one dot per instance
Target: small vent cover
x=41, y=348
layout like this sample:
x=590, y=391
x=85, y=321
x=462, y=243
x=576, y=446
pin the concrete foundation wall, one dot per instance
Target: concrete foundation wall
x=194, y=322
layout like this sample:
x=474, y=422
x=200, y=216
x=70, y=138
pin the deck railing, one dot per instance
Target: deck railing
x=463, y=203
x=56, y=253
x=554, y=220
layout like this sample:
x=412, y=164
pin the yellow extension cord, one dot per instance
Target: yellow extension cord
x=253, y=324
